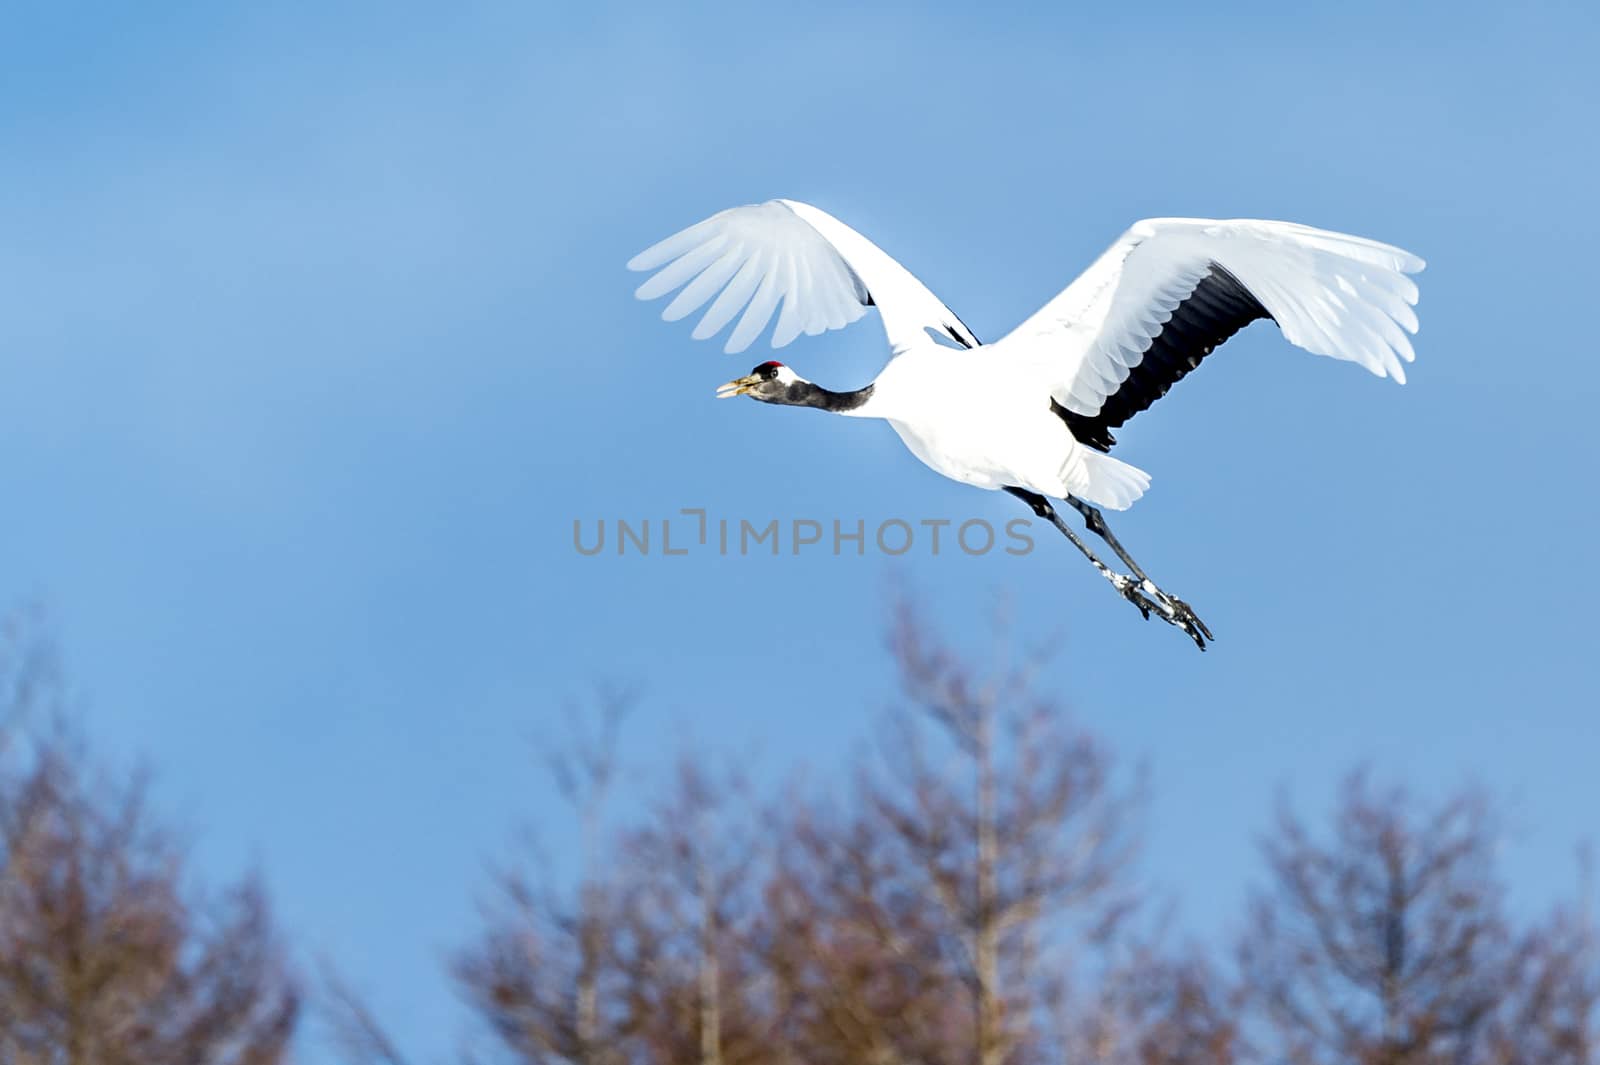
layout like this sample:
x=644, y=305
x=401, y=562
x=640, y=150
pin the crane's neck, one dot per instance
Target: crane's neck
x=806, y=394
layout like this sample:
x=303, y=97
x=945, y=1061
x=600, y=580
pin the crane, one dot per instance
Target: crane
x=1033, y=413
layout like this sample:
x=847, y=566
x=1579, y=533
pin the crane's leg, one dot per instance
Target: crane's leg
x=1128, y=586
x=1176, y=610
x=1138, y=589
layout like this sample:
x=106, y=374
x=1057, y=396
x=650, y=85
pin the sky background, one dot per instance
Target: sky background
x=315, y=339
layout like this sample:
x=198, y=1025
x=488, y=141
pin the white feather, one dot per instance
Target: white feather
x=1331, y=294
x=752, y=258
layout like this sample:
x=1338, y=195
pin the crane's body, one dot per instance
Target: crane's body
x=977, y=416
x=1032, y=414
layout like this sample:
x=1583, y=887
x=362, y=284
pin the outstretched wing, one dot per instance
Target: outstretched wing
x=1170, y=290
x=825, y=274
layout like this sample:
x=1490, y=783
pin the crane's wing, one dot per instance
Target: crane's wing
x=825, y=273
x=1171, y=289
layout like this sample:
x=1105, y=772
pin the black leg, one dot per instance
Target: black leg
x=1181, y=612
x=1097, y=525
x=1135, y=588
x=1127, y=586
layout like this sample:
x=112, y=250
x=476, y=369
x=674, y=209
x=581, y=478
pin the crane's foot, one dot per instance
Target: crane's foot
x=1148, y=600
x=1176, y=612
x=1133, y=591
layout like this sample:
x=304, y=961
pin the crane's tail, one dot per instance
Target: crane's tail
x=1103, y=480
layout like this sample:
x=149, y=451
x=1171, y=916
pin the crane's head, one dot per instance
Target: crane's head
x=770, y=383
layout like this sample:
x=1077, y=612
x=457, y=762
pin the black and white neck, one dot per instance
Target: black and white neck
x=777, y=383
x=806, y=394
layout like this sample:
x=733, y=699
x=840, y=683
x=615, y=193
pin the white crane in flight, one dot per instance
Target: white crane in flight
x=1032, y=413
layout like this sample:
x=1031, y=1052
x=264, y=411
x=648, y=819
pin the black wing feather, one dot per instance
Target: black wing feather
x=1218, y=307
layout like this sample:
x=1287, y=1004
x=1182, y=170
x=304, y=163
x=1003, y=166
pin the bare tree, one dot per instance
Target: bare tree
x=936, y=913
x=356, y=1032
x=858, y=955
x=698, y=868
x=105, y=958
x=964, y=899
x=1155, y=1006
x=550, y=972
x=1550, y=1010
x=1388, y=944
x=936, y=923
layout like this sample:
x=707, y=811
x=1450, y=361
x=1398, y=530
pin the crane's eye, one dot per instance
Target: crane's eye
x=772, y=373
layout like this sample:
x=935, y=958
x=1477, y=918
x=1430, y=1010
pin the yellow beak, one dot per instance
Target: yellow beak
x=738, y=386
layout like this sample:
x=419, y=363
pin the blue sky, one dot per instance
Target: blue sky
x=315, y=340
